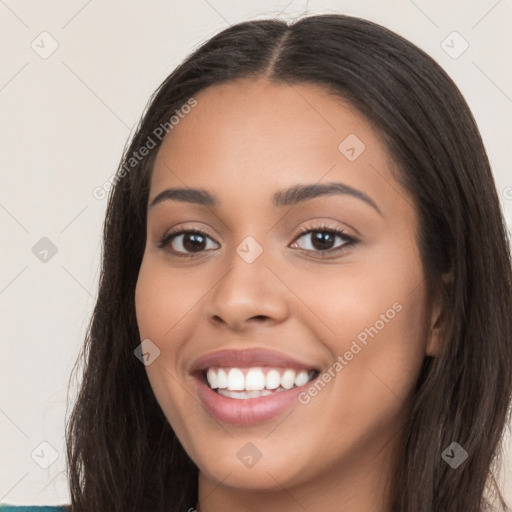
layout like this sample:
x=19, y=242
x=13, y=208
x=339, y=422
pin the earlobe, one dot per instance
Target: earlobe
x=438, y=316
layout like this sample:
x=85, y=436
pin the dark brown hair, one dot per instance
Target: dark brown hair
x=122, y=453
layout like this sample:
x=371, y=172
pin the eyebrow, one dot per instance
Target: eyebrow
x=290, y=196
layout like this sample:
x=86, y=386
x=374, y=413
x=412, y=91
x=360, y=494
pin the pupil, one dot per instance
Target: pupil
x=322, y=240
x=195, y=244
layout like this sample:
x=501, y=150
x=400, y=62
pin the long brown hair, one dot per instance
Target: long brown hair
x=122, y=453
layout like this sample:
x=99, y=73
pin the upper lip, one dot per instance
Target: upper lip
x=248, y=358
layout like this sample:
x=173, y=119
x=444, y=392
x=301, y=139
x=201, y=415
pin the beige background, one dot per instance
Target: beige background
x=64, y=120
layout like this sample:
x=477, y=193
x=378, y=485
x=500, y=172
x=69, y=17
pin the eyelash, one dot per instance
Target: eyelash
x=323, y=228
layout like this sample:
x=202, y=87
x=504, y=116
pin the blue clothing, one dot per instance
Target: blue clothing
x=16, y=508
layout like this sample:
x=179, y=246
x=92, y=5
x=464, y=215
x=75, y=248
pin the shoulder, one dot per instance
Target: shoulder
x=30, y=508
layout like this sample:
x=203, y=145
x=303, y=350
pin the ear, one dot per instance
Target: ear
x=438, y=316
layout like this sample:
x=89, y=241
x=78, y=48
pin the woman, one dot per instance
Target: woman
x=305, y=301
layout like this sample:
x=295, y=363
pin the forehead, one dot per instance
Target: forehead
x=255, y=136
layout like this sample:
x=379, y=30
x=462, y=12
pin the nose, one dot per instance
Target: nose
x=248, y=295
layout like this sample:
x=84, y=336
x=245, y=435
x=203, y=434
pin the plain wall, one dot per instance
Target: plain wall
x=63, y=124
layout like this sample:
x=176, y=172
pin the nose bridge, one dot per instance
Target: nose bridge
x=248, y=288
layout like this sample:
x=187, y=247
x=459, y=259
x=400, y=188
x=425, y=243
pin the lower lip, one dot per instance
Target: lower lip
x=250, y=410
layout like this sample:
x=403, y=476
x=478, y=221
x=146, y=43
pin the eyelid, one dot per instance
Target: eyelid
x=323, y=226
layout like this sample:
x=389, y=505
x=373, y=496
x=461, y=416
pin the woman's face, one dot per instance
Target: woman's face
x=350, y=306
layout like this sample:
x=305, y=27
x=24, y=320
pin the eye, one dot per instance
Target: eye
x=190, y=242
x=322, y=239
x=186, y=242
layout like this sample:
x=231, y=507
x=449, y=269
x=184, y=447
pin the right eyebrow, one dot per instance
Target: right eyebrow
x=189, y=195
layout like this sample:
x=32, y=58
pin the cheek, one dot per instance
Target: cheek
x=373, y=315
x=373, y=325
x=163, y=297
x=164, y=304
x=378, y=294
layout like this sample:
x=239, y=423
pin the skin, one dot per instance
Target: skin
x=243, y=141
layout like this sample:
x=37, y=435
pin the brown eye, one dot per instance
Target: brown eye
x=186, y=242
x=322, y=239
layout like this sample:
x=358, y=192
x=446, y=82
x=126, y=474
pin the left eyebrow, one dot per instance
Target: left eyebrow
x=299, y=193
x=289, y=196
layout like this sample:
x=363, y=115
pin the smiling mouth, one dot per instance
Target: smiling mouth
x=246, y=383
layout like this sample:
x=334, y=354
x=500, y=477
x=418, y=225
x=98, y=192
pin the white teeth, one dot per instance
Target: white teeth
x=236, y=380
x=272, y=379
x=211, y=375
x=302, y=378
x=222, y=379
x=288, y=379
x=244, y=394
x=255, y=381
